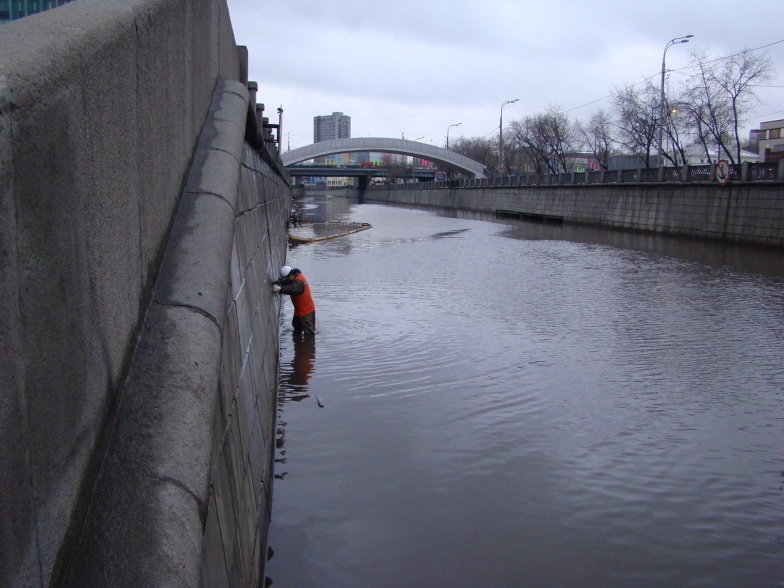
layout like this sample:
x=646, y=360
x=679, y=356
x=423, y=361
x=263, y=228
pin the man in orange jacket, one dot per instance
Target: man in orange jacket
x=293, y=283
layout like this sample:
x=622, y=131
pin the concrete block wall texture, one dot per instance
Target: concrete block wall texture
x=101, y=106
x=742, y=212
x=234, y=543
x=183, y=496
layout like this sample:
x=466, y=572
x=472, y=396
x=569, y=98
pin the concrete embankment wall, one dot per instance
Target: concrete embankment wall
x=138, y=337
x=742, y=212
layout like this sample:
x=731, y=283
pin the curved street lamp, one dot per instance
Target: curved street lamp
x=501, y=131
x=447, y=132
x=672, y=42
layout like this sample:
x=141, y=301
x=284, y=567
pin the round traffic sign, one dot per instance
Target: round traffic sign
x=723, y=172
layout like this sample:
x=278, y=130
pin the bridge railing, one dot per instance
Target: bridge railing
x=688, y=174
x=672, y=174
x=765, y=172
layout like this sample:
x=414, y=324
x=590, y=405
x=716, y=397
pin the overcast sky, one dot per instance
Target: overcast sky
x=413, y=68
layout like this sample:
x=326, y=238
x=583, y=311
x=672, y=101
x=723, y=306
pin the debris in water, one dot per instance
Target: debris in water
x=330, y=230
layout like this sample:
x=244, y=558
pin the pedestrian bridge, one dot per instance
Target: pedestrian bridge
x=449, y=160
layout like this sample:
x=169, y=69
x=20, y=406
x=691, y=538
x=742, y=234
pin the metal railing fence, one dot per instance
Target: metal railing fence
x=686, y=174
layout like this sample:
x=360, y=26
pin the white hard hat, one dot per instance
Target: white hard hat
x=285, y=271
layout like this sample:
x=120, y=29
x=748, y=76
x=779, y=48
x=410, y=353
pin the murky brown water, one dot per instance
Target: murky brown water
x=507, y=404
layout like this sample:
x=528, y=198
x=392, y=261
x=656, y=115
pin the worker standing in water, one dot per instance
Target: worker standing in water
x=293, y=283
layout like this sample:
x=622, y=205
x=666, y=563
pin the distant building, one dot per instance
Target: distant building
x=334, y=126
x=754, y=138
x=581, y=162
x=13, y=9
x=616, y=162
x=360, y=157
x=696, y=155
x=771, y=140
x=337, y=183
x=328, y=128
x=419, y=162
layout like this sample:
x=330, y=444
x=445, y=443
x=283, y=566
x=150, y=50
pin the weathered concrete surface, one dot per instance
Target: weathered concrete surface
x=101, y=107
x=235, y=538
x=145, y=522
x=184, y=494
x=155, y=477
x=739, y=212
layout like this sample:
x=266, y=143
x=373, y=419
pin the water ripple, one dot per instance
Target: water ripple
x=593, y=415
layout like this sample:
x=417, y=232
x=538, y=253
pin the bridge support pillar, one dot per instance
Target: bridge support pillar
x=362, y=187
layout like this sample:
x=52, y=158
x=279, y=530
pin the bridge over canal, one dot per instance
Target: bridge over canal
x=447, y=160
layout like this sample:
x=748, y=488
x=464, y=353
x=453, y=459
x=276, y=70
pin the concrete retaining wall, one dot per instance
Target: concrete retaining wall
x=101, y=108
x=746, y=213
x=184, y=494
x=239, y=508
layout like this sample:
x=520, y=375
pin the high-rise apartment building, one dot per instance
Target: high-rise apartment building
x=334, y=126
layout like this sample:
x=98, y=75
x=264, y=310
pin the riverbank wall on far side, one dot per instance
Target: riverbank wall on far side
x=741, y=212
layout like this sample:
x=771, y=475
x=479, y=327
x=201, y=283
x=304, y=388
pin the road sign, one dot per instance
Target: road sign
x=723, y=172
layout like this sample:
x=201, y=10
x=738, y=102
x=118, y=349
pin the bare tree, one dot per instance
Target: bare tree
x=697, y=107
x=597, y=137
x=485, y=151
x=751, y=144
x=636, y=113
x=523, y=143
x=563, y=137
x=722, y=94
x=678, y=130
x=543, y=140
x=395, y=169
x=707, y=106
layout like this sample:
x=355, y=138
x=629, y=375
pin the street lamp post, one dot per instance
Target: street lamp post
x=672, y=42
x=501, y=131
x=280, y=128
x=447, y=133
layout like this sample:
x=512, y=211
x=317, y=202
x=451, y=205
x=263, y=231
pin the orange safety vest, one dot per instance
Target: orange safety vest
x=303, y=303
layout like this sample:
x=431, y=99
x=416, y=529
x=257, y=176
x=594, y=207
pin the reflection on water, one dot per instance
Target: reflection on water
x=508, y=404
x=320, y=208
x=293, y=386
x=294, y=379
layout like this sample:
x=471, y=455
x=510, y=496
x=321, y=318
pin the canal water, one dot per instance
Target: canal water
x=495, y=403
